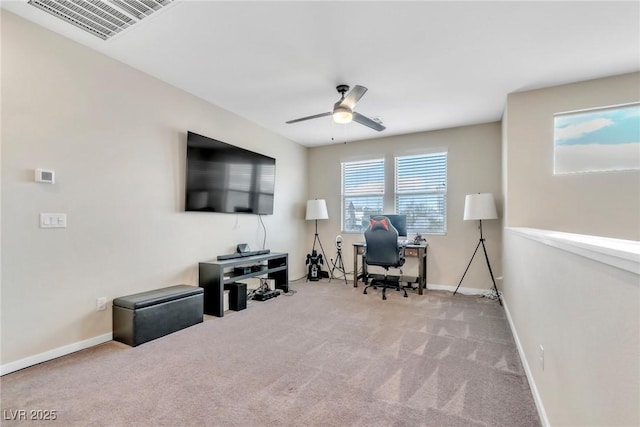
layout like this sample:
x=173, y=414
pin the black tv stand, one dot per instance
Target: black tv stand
x=213, y=275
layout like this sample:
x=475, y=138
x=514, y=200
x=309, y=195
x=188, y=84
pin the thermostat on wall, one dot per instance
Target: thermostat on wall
x=46, y=176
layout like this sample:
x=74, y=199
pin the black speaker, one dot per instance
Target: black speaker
x=237, y=296
x=242, y=248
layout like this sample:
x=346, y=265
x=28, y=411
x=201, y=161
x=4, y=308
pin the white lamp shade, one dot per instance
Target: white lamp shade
x=480, y=206
x=317, y=209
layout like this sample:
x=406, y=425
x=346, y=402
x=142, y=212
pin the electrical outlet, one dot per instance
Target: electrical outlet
x=101, y=304
x=541, y=354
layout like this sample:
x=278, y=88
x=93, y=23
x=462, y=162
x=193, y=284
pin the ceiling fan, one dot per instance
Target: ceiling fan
x=343, y=109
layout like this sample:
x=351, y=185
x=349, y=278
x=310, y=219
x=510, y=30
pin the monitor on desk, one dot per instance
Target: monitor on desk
x=399, y=222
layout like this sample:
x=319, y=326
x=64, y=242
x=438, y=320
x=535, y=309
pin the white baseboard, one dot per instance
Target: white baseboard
x=536, y=395
x=53, y=354
x=464, y=291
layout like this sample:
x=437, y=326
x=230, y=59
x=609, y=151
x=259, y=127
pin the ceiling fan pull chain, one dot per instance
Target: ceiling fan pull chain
x=333, y=127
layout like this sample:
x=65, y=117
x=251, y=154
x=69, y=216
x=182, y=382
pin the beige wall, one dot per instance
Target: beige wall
x=116, y=140
x=601, y=204
x=473, y=166
x=584, y=313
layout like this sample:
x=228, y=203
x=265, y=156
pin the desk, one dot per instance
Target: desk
x=213, y=275
x=416, y=251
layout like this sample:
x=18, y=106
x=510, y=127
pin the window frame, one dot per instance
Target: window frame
x=388, y=192
x=578, y=151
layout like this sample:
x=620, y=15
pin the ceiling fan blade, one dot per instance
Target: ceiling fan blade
x=353, y=97
x=309, y=117
x=357, y=117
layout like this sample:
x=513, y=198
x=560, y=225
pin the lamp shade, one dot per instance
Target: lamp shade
x=480, y=206
x=317, y=209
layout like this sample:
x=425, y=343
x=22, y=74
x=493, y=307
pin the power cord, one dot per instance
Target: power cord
x=264, y=286
x=492, y=295
x=264, y=240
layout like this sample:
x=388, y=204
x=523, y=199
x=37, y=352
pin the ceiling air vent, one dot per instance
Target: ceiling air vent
x=103, y=19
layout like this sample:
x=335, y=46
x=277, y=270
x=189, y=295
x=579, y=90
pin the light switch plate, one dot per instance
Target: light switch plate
x=53, y=220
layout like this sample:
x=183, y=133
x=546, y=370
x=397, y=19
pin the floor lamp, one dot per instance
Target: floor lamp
x=317, y=209
x=478, y=207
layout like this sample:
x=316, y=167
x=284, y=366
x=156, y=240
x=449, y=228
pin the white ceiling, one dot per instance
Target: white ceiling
x=428, y=65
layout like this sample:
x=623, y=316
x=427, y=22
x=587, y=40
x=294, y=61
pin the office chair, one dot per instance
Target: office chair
x=383, y=251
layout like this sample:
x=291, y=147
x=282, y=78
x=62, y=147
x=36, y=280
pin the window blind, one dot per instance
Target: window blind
x=362, y=193
x=421, y=192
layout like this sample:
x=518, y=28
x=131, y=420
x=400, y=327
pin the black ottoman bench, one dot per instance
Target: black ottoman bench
x=153, y=314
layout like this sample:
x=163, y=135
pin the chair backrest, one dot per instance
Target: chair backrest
x=382, y=243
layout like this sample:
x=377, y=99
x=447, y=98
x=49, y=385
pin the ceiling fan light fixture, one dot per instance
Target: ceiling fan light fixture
x=342, y=115
x=343, y=109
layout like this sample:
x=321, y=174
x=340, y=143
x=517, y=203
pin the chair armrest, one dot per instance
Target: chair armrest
x=401, y=248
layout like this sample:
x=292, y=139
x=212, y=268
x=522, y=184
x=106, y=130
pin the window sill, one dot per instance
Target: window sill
x=623, y=254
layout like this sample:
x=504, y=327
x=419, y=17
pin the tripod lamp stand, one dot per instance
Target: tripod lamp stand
x=317, y=209
x=478, y=207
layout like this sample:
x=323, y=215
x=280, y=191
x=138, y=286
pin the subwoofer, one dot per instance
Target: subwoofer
x=237, y=296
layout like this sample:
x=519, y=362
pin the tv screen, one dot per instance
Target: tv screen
x=224, y=178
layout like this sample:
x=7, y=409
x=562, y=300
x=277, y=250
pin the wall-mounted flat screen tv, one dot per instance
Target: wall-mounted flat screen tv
x=224, y=178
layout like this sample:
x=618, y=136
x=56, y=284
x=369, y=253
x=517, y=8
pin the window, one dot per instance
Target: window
x=362, y=193
x=598, y=140
x=421, y=192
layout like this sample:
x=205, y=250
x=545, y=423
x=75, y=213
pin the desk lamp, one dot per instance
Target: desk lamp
x=478, y=207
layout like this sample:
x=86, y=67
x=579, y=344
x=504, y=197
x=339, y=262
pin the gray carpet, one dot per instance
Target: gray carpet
x=326, y=356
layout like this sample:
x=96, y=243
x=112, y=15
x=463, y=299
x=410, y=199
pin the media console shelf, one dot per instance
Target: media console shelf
x=213, y=275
